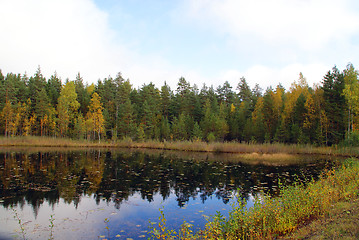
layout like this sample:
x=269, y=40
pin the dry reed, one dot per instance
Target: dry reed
x=188, y=146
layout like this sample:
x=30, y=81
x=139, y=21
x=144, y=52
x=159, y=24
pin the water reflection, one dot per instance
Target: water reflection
x=32, y=178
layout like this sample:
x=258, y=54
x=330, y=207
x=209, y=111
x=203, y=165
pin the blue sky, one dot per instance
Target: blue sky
x=206, y=41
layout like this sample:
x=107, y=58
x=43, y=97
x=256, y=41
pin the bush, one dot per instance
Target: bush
x=352, y=140
x=211, y=137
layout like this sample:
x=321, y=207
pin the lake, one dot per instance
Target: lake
x=117, y=194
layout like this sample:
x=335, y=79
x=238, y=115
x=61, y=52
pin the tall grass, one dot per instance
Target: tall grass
x=188, y=146
x=273, y=217
x=44, y=142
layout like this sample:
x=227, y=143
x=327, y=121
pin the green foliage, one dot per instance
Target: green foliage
x=165, y=129
x=245, y=93
x=334, y=105
x=53, y=89
x=140, y=136
x=323, y=115
x=211, y=137
x=67, y=108
x=83, y=96
x=161, y=231
x=197, y=132
x=352, y=140
x=351, y=94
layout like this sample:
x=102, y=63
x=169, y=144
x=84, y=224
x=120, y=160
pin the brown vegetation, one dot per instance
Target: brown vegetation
x=263, y=151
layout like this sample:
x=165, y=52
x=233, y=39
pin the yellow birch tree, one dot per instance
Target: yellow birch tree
x=95, y=115
x=67, y=107
x=7, y=115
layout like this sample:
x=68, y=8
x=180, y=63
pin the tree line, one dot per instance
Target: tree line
x=113, y=109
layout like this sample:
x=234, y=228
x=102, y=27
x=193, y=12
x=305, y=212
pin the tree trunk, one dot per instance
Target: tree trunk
x=99, y=136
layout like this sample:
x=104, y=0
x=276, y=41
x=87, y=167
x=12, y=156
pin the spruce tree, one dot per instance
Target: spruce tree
x=334, y=105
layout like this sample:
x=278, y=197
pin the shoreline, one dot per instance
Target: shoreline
x=185, y=146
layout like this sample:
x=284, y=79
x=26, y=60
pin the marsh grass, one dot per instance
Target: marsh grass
x=187, y=146
x=270, y=157
x=44, y=142
x=297, y=205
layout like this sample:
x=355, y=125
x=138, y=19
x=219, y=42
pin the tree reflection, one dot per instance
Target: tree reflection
x=114, y=176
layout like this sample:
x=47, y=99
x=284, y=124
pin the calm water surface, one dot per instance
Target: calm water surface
x=87, y=191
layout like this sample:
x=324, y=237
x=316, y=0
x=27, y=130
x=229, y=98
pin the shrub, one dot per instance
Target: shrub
x=353, y=139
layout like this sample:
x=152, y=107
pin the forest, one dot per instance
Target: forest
x=112, y=109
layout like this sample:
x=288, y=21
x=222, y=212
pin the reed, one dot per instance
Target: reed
x=188, y=146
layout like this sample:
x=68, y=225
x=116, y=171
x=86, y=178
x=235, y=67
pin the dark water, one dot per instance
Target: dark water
x=87, y=191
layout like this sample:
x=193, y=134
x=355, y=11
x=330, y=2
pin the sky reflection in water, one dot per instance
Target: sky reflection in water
x=83, y=189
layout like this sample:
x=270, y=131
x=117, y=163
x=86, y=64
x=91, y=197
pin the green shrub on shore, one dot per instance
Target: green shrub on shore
x=272, y=217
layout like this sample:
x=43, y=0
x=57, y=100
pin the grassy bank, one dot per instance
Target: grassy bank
x=188, y=146
x=270, y=218
x=341, y=222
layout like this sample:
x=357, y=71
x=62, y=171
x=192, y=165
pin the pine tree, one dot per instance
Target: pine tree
x=140, y=133
x=221, y=126
x=183, y=97
x=182, y=131
x=83, y=97
x=245, y=93
x=35, y=85
x=126, y=125
x=197, y=132
x=270, y=119
x=165, y=129
x=108, y=91
x=165, y=99
x=207, y=122
x=43, y=109
x=53, y=89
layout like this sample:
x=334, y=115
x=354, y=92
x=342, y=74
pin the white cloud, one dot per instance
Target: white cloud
x=278, y=39
x=66, y=36
x=308, y=24
x=70, y=37
x=75, y=36
x=267, y=77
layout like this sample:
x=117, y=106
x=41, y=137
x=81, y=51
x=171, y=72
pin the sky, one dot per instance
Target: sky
x=205, y=41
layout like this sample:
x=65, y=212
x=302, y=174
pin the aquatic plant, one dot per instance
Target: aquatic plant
x=161, y=231
x=51, y=226
x=22, y=227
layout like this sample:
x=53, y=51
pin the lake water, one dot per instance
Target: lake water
x=113, y=194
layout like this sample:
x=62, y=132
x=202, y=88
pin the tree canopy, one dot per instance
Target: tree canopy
x=113, y=109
